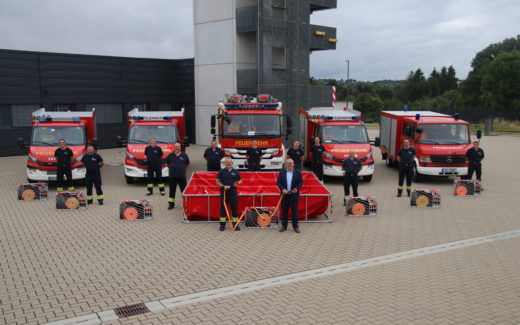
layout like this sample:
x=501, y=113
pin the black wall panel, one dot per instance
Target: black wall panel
x=49, y=79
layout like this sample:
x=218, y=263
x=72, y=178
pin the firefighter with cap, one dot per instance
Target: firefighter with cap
x=475, y=156
x=93, y=163
x=64, y=157
x=177, y=162
x=228, y=179
x=351, y=166
x=406, y=158
x=253, y=157
x=213, y=156
x=317, y=158
x=154, y=160
x=296, y=154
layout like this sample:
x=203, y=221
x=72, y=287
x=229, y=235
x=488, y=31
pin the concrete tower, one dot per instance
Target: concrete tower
x=257, y=46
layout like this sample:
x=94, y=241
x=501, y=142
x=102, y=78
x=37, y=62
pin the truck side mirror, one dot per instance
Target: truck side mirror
x=21, y=143
x=377, y=141
x=212, y=131
x=311, y=141
x=288, y=124
x=186, y=141
x=95, y=143
x=213, y=121
x=479, y=134
x=418, y=131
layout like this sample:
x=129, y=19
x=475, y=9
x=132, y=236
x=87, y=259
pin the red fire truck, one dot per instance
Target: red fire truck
x=440, y=140
x=341, y=131
x=77, y=128
x=167, y=127
x=241, y=119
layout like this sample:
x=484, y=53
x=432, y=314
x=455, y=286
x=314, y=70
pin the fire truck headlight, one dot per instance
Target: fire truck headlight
x=227, y=152
x=33, y=158
x=369, y=155
x=78, y=158
x=425, y=159
x=129, y=155
x=275, y=152
x=328, y=155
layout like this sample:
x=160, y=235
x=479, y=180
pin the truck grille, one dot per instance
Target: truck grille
x=448, y=159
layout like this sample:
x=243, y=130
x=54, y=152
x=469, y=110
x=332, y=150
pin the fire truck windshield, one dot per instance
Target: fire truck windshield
x=444, y=134
x=51, y=135
x=264, y=125
x=140, y=134
x=344, y=134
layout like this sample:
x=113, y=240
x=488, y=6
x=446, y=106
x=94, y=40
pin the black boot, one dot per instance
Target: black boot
x=237, y=228
x=171, y=205
x=222, y=226
x=149, y=193
x=100, y=201
x=408, y=191
x=90, y=201
x=399, y=193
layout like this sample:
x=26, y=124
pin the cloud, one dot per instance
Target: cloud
x=382, y=39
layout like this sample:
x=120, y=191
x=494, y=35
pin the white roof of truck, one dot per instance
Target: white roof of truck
x=335, y=113
x=413, y=113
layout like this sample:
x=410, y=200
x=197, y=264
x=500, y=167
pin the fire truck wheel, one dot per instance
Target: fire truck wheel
x=389, y=162
x=129, y=180
x=30, y=180
x=367, y=178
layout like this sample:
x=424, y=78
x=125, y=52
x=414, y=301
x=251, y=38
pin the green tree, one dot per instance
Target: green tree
x=501, y=83
x=471, y=87
x=369, y=105
x=415, y=87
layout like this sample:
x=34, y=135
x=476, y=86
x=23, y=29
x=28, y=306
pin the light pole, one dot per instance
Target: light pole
x=348, y=77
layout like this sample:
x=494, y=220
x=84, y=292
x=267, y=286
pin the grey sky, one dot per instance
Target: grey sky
x=382, y=39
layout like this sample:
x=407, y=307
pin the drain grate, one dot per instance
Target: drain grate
x=131, y=310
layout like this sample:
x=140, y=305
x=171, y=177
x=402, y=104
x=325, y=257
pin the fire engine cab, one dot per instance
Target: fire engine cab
x=77, y=128
x=240, y=119
x=440, y=140
x=167, y=127
x=340, y=131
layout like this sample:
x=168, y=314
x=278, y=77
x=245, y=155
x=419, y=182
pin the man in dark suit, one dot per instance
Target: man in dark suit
x=289, y=182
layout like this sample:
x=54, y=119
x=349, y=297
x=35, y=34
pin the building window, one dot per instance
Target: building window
x=164, y=107
x=278, y=58
x=141, y=106
x=279, y=3
x=22, y=114
x=107, y=113
x=65, y=107
x=5, y=117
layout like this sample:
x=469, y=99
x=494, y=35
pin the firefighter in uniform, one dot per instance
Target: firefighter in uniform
x=405, y=157
x=213, y=156
x=317, y=158
x=253, y=156
x=351, y=166
x=296, y=154
x=93, y=163
x=177, y=162
x=154, y=156
x=64, y=157
x=475, y=156
x=228, y=179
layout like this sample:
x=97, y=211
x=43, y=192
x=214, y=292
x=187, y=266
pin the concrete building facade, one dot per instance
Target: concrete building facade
x=257, y=46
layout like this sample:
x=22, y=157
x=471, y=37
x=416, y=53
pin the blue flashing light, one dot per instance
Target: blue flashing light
x=405, y=108
x=76, y=119
x=42, y=119
x=168, y=118
x=456, y=116
x=417, y=116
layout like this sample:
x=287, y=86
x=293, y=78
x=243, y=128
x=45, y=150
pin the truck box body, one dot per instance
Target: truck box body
x=241, y=119
x=77, y=128
x=440, y=140
x=341, y=131
x=167, y=127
